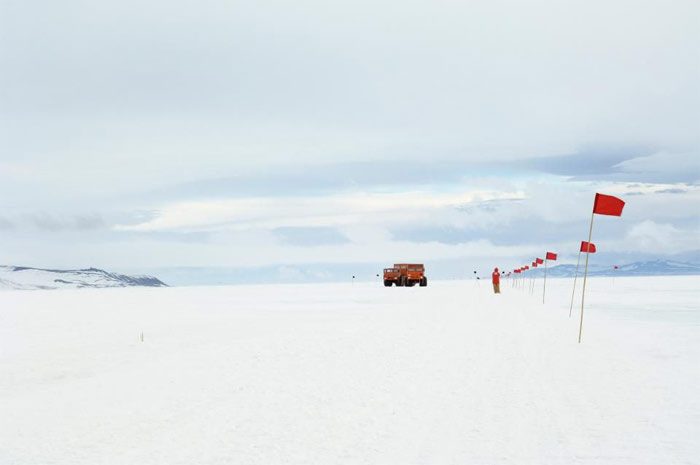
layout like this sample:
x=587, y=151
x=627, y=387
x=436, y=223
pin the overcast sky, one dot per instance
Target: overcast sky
x=220, y=133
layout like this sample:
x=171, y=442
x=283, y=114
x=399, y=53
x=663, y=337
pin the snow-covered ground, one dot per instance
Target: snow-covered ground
x=332, y=374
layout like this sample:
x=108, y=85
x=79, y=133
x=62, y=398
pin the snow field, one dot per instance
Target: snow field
x=352, y=374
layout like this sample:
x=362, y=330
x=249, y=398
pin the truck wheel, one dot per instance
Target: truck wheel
x=423, y=281
x=387, y=283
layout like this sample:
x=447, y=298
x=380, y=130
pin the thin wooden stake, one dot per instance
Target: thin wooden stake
x=575, y=276
x=585, y=275
x=544, y=288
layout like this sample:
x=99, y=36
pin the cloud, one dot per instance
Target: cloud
x=54, y=223
x=6, y=224
x=584, y=163
x=291, y=179
x=663, y=167
x=661, y=238
x=310, y=236
x=328, y=211
x=644, y=165
x=47, y=222
x=88, y=222
x=671, y=191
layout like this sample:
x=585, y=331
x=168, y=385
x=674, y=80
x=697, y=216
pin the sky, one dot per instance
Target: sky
x=291, y=136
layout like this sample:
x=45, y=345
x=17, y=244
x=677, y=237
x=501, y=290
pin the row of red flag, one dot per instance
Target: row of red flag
x=607, y=205
x=538, y=261
x=602, y=205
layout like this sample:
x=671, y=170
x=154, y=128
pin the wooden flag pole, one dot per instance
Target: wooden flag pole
x=575, y=276
x=585, y=275
x=544, y=289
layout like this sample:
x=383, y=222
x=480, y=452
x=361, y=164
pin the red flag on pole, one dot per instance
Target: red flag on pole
x=608, y=205
x=548, y=256
x=539, y=261
x=602, y=205
x=587, y=247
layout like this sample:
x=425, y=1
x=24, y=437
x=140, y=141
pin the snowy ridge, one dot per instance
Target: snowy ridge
x=648, y=268
x=20, y=277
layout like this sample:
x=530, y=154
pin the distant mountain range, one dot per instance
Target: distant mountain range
x=20, y=277
x=647, y=268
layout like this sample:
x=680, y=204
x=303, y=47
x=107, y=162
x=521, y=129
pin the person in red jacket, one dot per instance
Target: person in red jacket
x=496, y=280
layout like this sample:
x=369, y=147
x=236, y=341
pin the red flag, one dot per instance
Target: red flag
x=587, y=246
x=534, y=264
x=539, y=261
x=526, y=267
x=551, y=256
x=608, y=205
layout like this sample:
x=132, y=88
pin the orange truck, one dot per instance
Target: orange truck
x=405, y=274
